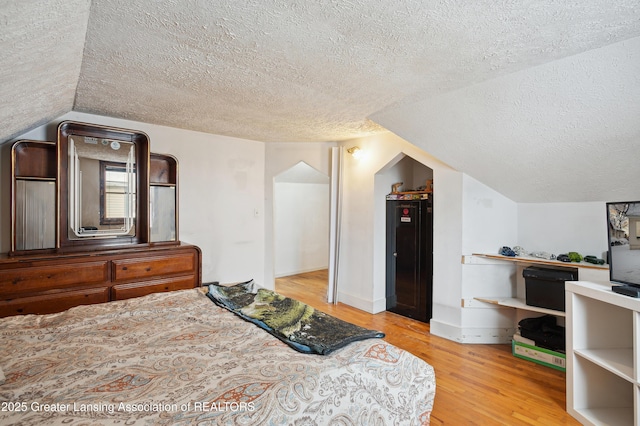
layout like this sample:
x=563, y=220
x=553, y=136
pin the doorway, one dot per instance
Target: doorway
x=409, y=287
x=413, y=174
x=301, y=221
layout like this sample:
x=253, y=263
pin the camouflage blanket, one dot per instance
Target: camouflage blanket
x=300, y=326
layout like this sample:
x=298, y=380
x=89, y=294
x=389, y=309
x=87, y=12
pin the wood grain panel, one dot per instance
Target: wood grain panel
x=136, y=269
x=42, y=278
x=162, y=169
x=34, y=159
x=46, y=304
x=137, y=289
x=54, y=282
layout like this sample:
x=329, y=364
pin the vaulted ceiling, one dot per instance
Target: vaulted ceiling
x=285, y=70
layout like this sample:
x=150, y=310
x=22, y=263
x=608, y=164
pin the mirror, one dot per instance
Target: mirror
x=102, y=187
x=35, y=205
x=162, y=215
x=163, y=198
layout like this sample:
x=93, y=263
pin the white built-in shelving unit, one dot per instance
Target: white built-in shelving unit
x=603, y=355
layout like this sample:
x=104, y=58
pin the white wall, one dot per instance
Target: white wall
x=469, y=217
x=361, y=281
x=489, y=221
x=403, y=169
x=489, y=218
x=301, y=224
x=221, y=193
x=563, y=227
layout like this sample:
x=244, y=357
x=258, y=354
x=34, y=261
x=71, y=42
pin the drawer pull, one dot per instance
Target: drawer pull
x=148, y=269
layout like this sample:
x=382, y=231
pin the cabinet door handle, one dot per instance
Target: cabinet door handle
x=395, y=254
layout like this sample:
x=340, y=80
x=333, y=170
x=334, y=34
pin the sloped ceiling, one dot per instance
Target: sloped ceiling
x=41, y=45
x=287, y=70
x=564, y=131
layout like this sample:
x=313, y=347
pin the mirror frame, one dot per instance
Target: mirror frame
x=141, y=141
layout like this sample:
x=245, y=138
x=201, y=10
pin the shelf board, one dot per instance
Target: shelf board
x=540, y=261
x=412, y=192
x=34, y=159
x=619, y=361
x=608, y=416
x=510, y=302
x=603, y=293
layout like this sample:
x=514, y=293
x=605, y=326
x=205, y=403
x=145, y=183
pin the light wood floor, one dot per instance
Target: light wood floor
x=475, y=384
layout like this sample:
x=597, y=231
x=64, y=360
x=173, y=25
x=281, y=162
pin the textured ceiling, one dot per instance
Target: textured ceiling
x=565, y=131
x=302, y=71
x=284, y=70
x=41, y=44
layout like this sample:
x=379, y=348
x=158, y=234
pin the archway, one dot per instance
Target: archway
x=413, y=174
x=301, y=220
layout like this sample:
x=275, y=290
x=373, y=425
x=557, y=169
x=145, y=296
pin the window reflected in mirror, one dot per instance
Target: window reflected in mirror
x=114, y=193
x=102, y=187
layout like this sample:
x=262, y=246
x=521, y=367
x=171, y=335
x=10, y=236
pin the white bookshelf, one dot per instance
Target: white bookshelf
x=603, y=357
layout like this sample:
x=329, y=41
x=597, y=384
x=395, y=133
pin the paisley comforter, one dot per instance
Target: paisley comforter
x=176, y=358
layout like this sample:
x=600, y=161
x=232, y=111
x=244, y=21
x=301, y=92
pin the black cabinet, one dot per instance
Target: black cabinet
x=410, y=258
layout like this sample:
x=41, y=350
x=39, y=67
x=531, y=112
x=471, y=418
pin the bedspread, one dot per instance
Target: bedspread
x=176, y=358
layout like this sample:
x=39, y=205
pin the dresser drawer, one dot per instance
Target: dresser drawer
x=137, y=289
x=56, y=302
x=22, y=281
x=154, y=267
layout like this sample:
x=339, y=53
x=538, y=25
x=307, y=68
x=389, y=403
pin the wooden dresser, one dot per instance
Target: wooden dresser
x=94, y=218
x=41, y=284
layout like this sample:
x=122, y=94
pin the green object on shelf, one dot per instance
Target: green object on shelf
x=575, y=256
x=594, y=260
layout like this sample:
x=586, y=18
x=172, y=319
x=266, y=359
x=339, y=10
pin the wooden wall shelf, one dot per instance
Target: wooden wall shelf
x=540, y=261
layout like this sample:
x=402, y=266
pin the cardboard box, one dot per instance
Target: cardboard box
x=539, y=355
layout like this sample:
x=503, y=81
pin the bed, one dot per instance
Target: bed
x=177, y=358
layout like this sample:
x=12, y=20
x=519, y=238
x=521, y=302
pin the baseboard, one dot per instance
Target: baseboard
x=379, y=305
x=300, y=271
x=356, y=302
x=471, y=334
